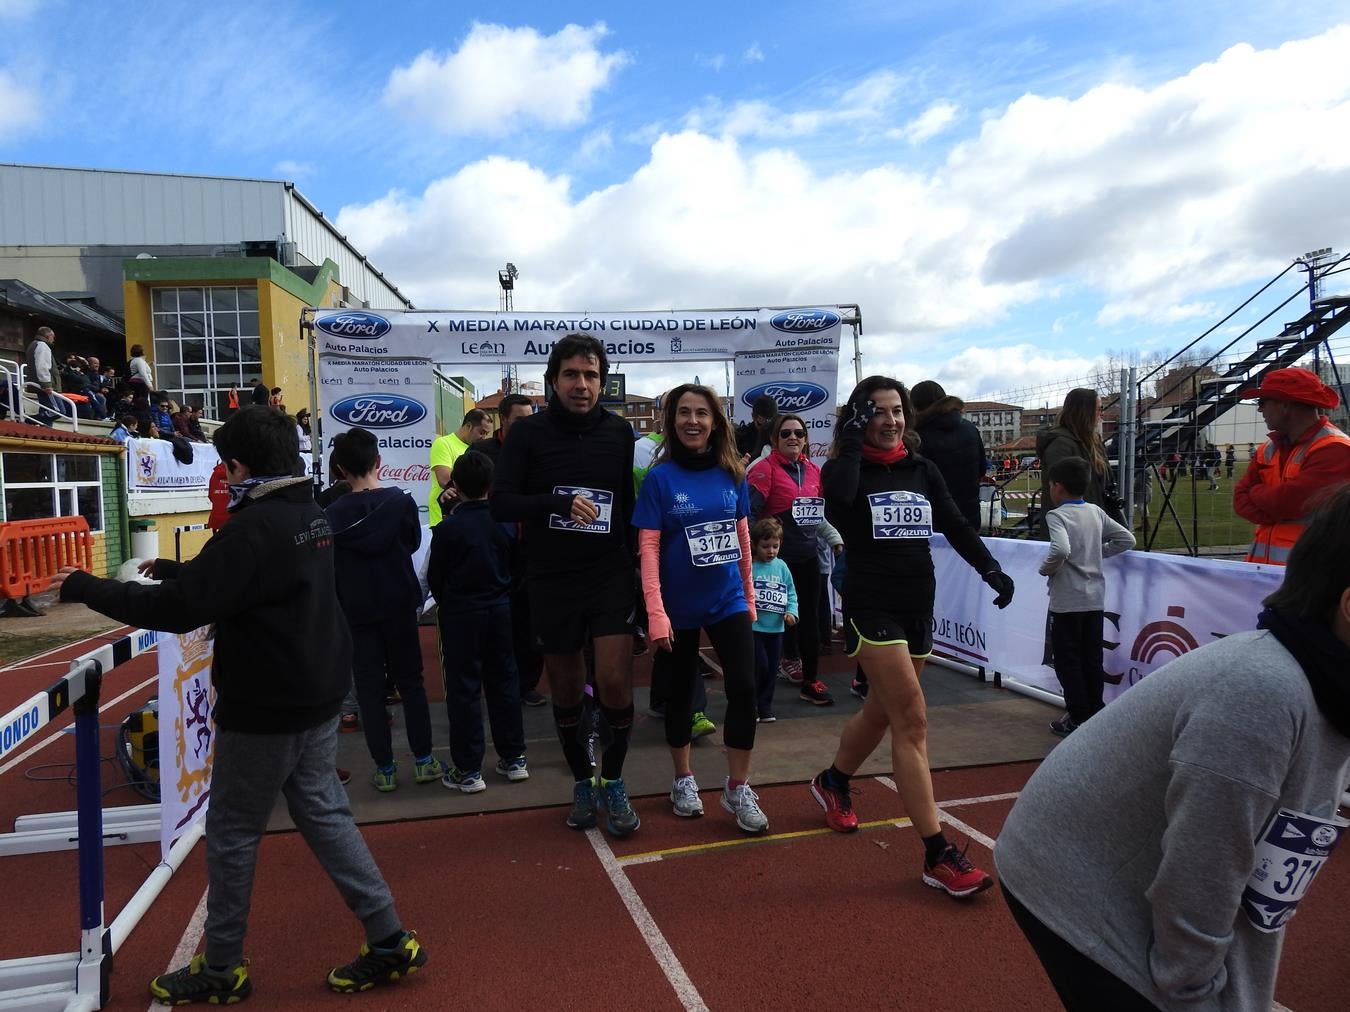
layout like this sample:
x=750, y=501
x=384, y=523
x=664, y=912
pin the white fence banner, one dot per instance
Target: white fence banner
x=187, y=733
x=802, y=382
x=151, y=466
x=1158, y=607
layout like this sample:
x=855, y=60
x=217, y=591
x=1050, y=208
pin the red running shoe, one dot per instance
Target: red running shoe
x=955, y=875
x=839, y=814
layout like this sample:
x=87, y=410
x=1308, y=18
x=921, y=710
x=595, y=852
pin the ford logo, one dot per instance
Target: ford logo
x=804, y=321
x=378, y=411
x=796, y=396
x=355, y=325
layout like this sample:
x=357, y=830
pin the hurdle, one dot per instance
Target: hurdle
x=74, y=982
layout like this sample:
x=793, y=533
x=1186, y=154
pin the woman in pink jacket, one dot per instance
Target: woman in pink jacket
x=786, y=485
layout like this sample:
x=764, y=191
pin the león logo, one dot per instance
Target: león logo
x=1163, y=637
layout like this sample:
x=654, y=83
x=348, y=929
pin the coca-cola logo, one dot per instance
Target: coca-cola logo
x=354, y=325
x=407, y=475
x=378, y=411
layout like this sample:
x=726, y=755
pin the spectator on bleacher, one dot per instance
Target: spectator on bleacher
x=42, y=371
x=952, y=443
x=138, y=371
x=180, y=420
x=195, y=432
x=1303, y=455
x=260, y=392
x=125, y=429
x=274, y=399
x=1077, y=434
x=302, y=431
x=1163, y=881
x=162, y=416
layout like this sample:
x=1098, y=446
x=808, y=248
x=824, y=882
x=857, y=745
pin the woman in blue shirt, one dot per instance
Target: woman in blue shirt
x=692, y=517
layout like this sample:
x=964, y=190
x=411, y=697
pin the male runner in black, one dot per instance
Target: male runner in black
x=566, y=475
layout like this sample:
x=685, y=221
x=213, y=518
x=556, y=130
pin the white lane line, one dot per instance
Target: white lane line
x=966, y=828
x=38, y=746
x=187, y=945
x=1277, y=1007
x=888, y=783
x=646, y=925
x=29, y=662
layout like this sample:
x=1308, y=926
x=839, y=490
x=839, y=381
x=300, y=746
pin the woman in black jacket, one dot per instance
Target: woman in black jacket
x=952, y=443
x=1075, y=435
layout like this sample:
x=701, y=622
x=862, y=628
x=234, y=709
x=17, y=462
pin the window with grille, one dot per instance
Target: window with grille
x=206, y=340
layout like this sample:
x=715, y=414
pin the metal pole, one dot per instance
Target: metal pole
x=92, y=973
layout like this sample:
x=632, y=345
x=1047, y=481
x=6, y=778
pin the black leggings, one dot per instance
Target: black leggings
x=1083, y=985
x=735, y=646
x=802, y=640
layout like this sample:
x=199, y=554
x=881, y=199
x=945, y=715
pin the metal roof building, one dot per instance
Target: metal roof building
x=72, y=227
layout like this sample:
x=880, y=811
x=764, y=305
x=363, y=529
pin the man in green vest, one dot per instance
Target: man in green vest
x=445, y=450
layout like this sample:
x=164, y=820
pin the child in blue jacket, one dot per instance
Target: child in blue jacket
x=776, y=608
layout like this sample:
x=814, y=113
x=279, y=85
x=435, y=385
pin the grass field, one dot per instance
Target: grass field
x=1206, y=516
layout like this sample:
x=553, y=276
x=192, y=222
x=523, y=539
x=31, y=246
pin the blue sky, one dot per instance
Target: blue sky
x=1011, y=196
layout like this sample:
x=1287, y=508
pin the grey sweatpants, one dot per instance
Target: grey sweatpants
x=248, y=773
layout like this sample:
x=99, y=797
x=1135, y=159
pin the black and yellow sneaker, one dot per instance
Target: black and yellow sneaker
x=197, y=982
x=379, y=966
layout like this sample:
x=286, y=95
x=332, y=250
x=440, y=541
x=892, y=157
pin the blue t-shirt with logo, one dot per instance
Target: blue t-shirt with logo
x=696, y=513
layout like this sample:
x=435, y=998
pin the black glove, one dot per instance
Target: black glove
x=1002, y=583
x=857, y=414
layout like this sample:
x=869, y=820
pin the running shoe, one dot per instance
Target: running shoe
x=532, y=698
x=955, y=875
x=379, y=966
x=766, y=718
x=684, y=797
x=582, y=815
x=815, y=692
x=623, y=817
x=386, y=778
x=790, y=671
x=350, y=722
x=743, y=803
x=838, y=804
x=428, y=769
x=701, y=725
x=513, y=769
x=198, y=982
x=344, y=776
x=1064, y=726
x=467, y=781
x=858, y=687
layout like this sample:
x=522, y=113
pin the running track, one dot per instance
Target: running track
x=517, y=912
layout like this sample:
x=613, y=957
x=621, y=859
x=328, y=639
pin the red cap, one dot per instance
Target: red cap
x=1298, y=385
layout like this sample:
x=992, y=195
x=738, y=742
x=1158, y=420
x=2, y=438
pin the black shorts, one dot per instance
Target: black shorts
x=881, y=628
x=567, y=613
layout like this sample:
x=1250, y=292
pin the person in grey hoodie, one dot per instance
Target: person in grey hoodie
x=1081, y=535
x=1155, y=857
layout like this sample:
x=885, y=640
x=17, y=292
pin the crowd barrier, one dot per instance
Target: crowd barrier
x=79, y=981
x=33, y=551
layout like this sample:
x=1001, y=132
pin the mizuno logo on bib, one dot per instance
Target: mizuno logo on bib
x=603, y=502
x=713, y=543
x=900, y=515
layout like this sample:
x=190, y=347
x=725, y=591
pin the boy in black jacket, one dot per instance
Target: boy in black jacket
x=469, y=573
x=375, y=532
x=282, y=660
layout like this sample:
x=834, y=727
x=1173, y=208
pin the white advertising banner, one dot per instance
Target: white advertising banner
x=187, y=733
x=375, y=367
x=526, y=339
x=802, y=382
x=151, y=466
x=1158, y=607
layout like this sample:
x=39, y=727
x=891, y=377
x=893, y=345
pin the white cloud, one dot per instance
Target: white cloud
x=715, y=62
x=931, y=122
x=288, y=169
x=867, y=103
x=20, y=106
x=594, y=145
x=753, y=55
x=501, y=76
x=1148, y=199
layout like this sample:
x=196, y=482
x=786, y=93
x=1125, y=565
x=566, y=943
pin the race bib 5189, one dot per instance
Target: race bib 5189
x=900, y=515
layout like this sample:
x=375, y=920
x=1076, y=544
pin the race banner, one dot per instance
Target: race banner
x=392, y=398
x=1158, y=607
x=525, y=339
x=151, y=466
x=187, y=732
x=801, y=382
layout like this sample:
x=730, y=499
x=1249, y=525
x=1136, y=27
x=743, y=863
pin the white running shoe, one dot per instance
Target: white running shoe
x=744, y=804
x=684, y=797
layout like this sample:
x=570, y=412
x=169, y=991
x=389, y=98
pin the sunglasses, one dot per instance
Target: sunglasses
x=791, y=433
